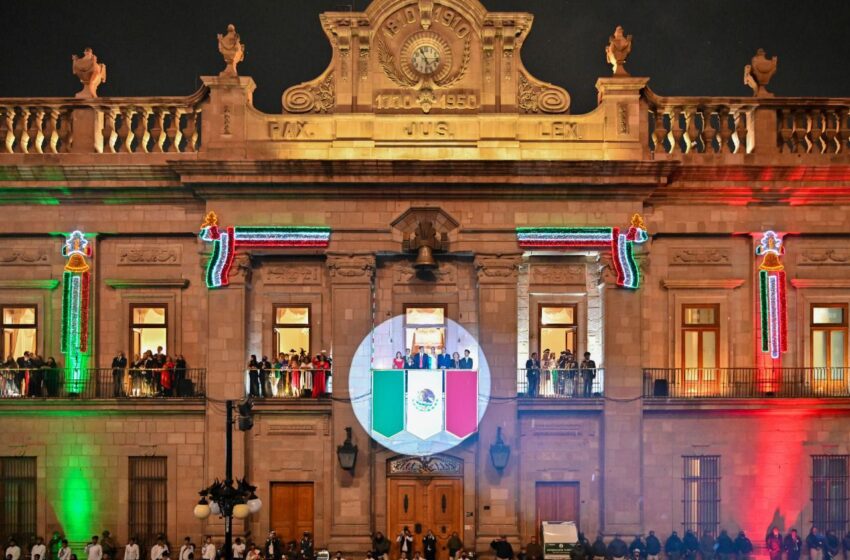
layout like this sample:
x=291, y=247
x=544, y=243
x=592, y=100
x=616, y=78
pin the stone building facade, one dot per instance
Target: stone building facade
x=691, y=424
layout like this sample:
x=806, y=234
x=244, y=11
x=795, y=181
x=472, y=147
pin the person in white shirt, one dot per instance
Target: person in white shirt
x=13, y=551
x=208, y=550
x=131, y=551
x=65, y=551
x=38, y=550
x=187, y=549
x=238, y=549
x=158, y=550
x=93, y=550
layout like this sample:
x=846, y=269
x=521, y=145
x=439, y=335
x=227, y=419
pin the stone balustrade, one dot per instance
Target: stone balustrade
x=103, y=125
x=742, y=125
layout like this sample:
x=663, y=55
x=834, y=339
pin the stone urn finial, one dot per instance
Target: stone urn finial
x=90, y=73
x=232, y=49
x=617, y=51
x=758, y=72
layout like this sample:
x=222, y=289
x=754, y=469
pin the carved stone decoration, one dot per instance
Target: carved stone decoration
x=90, y=72
x=285, y=428
x=129, y=255
x=437, y=465
x=312, y=97
x=426, y=241
x=351, y=268
x=622, y=118
x=558, y=274
x=292, y=275
x=618, y=50
x=758, y=72
x=497, y=269
x=708, y=256
x=406, y=274
x=23, y=257
x=232, y=50
x=539, y=97
x=241, y=269
x=828, y=257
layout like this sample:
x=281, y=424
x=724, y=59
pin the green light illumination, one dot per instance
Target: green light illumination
x=74, y=499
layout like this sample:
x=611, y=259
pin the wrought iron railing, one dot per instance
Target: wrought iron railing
x=574, y=383
x=105, y=383
x=276, y=383
x=745, y=383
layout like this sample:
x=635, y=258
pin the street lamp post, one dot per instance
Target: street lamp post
x=223, y=497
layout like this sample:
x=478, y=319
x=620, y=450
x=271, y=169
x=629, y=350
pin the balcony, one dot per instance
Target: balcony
x=129, y=384
x=289, y=384
x=561, y=383
x=746, y=383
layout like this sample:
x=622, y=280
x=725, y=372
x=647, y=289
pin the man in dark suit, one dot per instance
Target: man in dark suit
x=444, y=360
x=119, y=364
x=421, y=359
x=466, y=361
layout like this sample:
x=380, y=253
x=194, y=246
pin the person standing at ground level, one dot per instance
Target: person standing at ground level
x=429, y=545
x=307, y=546
x=691, y=545
x=743, y=546
x=673, y=546
x=706, y=546
x=725, y=546
x=253, y=552
x=455, y=544
x=637, y=548
x=38, y=549
x=816, y=544
x=774, y=543
x=832, y=544
x=599, y=549
x=13, y=551
x=93, y=550
x=405, y=540
x=504, y=550
x=110, y=549
x=792, y=545
x=845, y=544
x=273, y=548
x=65, y=551
x=617, y=548
x=131, y=550
x=534, y=551
x=208, y=550
x=381, y=545
x=238, y=548
x=159, y=549
x=653, y=546
x=187, y=549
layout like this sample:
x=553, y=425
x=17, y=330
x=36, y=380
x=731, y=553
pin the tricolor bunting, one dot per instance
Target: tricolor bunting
x=773, y=310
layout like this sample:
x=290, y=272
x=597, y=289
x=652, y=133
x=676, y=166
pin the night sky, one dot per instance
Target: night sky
x=686, y=47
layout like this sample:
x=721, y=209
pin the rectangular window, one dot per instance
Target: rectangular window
x=425, y=327
x=148, y=328
x=148, y=499
x=558, y=330
x=19, y=326
x=700, y=342
x=829, y=492
x=701, y=478
x=829, y=342
x=18, y=499
x=292, y=327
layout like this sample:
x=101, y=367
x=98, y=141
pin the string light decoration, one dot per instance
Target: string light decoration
x=773, y=309
x=604, y=238
x=227, y=240
x=76, y=288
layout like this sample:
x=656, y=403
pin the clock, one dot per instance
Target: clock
x=425, y=59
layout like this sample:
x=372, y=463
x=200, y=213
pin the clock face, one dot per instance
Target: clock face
x=425, y=59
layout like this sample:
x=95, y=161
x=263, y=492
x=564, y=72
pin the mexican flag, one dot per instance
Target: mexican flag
x=388, y=402
x=461, y=402
x=425, y=403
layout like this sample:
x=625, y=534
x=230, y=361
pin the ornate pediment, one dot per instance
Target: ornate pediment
x=426, y=56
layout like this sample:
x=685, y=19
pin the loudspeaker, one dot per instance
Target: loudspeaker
x=659, y=388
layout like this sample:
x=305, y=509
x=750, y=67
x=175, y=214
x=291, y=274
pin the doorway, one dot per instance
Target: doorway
x=423, y=503
x=292, y=510
x=556, y=501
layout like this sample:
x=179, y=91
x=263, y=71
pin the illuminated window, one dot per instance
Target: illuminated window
x=426, y=327
x=148, y=328
x=291, y=329
x=148, y=504
x=18, y=498
x=701, y=478
x=700, y=342
x=829, y=342
x=20, y=330
x=557, y=329
x=829, y=492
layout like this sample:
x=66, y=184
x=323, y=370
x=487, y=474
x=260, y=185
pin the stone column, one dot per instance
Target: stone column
x=498, y=493
x=351, y=276
x=622, y=501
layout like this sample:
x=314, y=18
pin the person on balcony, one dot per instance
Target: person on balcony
x=321, y=368
x=398, y=361
x=432, y=359
x=792, y=545
x=547, y=364
x=151, y=380
x=119, y=364
x=265, y=377
x=421, y=359
x=254, y=376
x=51, y=377
x=466, y=362
x=588, y=374
x=180, y=384
x=455, y=363
x=444, y=359
x=532, y=374
x=166, y=378
x=307, y=379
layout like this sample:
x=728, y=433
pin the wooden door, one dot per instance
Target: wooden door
x=556, y=501
x=422, y=504
x=292, y=509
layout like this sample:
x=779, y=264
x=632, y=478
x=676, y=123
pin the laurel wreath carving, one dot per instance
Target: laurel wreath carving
x=387, y=62
x=464, y=64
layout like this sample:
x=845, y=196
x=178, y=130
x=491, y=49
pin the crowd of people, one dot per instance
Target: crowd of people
x=431, y=359
x=29, y=376
x=150, y=375
x=295, y=374
x=561, y=375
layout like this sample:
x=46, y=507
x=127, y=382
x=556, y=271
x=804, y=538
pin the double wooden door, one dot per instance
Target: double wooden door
x=292, y=510
x=556, y=501
x=422, y=504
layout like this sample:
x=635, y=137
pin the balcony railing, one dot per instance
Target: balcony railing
x=746, y=383
x=59, y=383
x=561, y=383
x=289, y=383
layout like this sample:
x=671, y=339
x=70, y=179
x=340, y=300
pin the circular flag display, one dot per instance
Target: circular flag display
x=419, y=385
